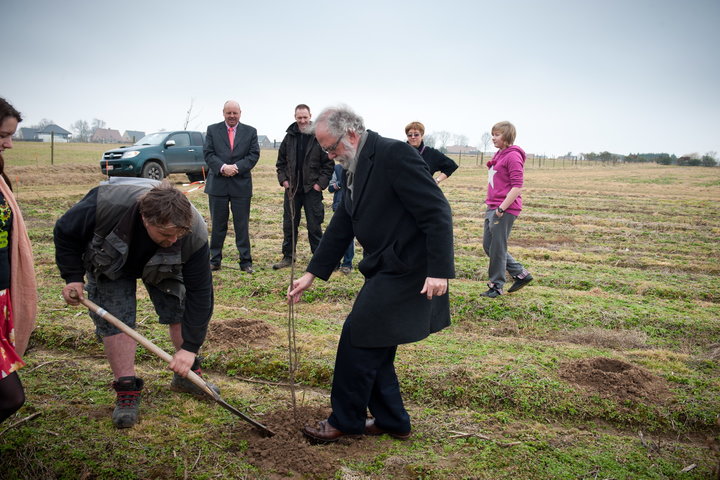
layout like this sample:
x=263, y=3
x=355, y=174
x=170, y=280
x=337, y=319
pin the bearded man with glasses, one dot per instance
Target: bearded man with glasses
x=404, y=224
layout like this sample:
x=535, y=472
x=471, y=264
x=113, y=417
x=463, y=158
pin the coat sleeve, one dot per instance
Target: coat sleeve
x=334, y=242
x=212, y=158
x=282, y=162
x=198, y=299
x=72, y=234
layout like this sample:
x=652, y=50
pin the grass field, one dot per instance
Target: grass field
x=606, y=366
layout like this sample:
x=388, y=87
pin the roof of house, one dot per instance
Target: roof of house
x=137, y=134
x=28, y=133
x=52, y=128
x=106, y=134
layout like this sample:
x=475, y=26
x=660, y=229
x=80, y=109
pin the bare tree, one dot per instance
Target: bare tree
x=188, y=114
x=442, y=138
x=461, y=140
x=485, y=139
x=82, y=130
x=97, y=123
x=429, y=140
x=43, y=123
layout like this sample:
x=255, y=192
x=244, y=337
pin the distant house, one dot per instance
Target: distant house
x=464, y=149
x=47, y=133
x=265, y=142
x=132, y=136
x=106, y=135
x=28, y=134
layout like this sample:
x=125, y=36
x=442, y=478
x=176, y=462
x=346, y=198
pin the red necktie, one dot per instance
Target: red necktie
x=231, y=137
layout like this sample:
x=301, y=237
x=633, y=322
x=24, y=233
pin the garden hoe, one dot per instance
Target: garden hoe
x=192, y=376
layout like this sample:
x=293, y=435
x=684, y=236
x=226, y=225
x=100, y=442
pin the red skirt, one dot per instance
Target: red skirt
x=9, y=359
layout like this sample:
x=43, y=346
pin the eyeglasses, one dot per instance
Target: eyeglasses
x=411, y=135
x=334, y=146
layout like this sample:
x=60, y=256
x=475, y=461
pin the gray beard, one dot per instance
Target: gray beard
x=346, y=158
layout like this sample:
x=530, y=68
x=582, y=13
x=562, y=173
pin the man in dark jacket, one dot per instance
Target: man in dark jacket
x=304, y=171
x=127, y=229
x=404, y=224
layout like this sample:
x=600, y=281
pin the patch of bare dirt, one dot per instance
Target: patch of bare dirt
x=616, y=379
x=225, y=334
x=289, y=454
x=615, y=339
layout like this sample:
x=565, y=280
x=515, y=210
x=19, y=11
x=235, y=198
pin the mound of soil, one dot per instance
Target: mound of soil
x=289, y=454
x=616, y=379
x=224, y=334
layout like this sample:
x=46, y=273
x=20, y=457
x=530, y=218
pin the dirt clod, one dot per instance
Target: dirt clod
x=616, y=379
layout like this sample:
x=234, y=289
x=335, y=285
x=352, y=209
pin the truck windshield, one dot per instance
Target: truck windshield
x=152, y=139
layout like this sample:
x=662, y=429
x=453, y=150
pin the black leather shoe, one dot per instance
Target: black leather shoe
x=247, y=268
x=323, y=432
x=372, y=429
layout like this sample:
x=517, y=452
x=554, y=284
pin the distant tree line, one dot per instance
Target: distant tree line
x=84, y=130
x=690, y=160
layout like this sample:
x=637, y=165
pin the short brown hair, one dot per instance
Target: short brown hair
x=507, y=132
x=415, y=126
x=165, y=205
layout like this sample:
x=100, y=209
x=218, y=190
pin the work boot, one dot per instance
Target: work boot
x=285, y=262
x=127, y=405
x=184, y=385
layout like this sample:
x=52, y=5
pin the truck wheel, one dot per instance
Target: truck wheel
x=195, y=177
x=153, y=170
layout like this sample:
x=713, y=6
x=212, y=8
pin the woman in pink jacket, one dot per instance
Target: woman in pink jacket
x=18, y=291
x=504, y=203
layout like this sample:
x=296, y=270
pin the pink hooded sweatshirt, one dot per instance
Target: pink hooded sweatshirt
x=505, y=171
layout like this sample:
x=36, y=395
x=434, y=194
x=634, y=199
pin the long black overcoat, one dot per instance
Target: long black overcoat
x=404, y=224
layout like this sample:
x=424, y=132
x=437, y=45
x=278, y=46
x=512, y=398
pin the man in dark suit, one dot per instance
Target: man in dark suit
x=231, y=151
x=404, y=224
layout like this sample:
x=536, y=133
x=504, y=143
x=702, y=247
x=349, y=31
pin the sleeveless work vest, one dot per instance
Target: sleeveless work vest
x=117, y=207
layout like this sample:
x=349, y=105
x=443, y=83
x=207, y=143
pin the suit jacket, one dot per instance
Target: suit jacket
x=404, y=223
x=245, y=155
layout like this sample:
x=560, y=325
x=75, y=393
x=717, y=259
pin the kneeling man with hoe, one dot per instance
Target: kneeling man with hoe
x=127, y=229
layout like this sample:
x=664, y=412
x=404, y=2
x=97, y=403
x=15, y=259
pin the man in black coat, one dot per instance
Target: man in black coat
x=404, y=224
x=229, y=182
x=304, y=171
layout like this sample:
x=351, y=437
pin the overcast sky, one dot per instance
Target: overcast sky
x=625, y=76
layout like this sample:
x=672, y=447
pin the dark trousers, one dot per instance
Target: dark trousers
x=365, y=379
x=220, y=207
x=311, y=202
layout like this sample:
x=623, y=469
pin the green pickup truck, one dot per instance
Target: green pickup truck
x=157, y=155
